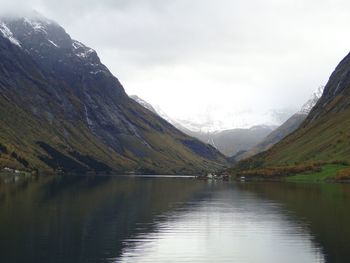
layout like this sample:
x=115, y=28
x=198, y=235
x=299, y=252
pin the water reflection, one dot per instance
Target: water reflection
x=224, y=225
x=324, y=208
x=111, y=219
x=80, y=219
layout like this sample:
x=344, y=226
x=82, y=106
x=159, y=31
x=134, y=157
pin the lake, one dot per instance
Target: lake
x=147, y=219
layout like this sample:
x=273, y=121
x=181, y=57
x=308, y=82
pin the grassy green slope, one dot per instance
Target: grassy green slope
x=275, y=136
x=324, y=141
x=21, y=131
x=327, y=172
x=327, y=139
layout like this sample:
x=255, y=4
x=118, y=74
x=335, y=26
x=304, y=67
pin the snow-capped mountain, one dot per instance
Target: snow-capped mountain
x=62, y=109
x=45, y=39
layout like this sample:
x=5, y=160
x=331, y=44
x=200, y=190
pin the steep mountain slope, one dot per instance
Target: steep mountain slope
x=144, y=103
x=157, y=110
x=274, y=137
x=62, y=109
x=324, y=135
x=228, y=142
x=285, y=129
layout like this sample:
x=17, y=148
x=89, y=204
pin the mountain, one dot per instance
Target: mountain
x=144, y=103
x=323, y=136
x=157, y=110
x=274, y=137
x=234, y=141
x=62, y=109
x=228, y=142
x=285, y=129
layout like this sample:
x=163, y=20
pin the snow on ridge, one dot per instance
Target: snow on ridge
x=144, y=104
x=76, y=44
x=6, y=32
x=81, y=50
x=85, y=53
x=37, y=25
x=307, y=107
x=53, y=43
x=97, y=71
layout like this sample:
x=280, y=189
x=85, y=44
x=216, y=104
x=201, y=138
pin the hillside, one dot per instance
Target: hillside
x=323, y=136
x=61, y=109
x=274, y=137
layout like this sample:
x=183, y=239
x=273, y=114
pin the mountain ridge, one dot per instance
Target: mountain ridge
x=76, y=113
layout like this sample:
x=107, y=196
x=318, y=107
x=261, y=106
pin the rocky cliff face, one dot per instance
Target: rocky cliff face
x=61, y=108
x=336, y=94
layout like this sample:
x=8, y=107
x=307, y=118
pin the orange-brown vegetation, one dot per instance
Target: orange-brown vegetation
x=343, y=174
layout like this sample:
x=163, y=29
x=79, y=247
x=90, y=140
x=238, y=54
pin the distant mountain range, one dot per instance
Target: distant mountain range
x=61, y=109
x=242, y=143
x=229, y=142
x=234, y=141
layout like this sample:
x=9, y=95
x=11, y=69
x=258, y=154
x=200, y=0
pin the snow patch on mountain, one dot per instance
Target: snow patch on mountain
x=208, y=124
x=196, y=124
x=37, y=25
x=6, y=32
x=307, y=107
x=53, y=43
x=81, y=50
x=76, y=44
x=144, y=103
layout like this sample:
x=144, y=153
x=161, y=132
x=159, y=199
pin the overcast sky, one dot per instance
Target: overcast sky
x=232, y=61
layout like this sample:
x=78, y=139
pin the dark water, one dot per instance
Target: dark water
x=113, y=219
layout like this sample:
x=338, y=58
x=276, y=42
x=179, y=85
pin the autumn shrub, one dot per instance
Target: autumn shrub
x=343, y=174
x=281, y=171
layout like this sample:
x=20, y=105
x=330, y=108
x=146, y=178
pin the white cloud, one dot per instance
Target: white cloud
x=240, y=59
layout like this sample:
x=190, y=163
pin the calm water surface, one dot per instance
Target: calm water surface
x=124, y=219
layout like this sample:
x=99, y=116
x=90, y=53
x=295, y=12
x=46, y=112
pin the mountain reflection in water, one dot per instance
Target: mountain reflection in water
x=129, y=219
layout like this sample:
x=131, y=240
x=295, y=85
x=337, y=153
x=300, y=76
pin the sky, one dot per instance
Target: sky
x=230, y=63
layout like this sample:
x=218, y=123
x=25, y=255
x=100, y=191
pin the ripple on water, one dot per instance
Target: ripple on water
x=227, y=226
